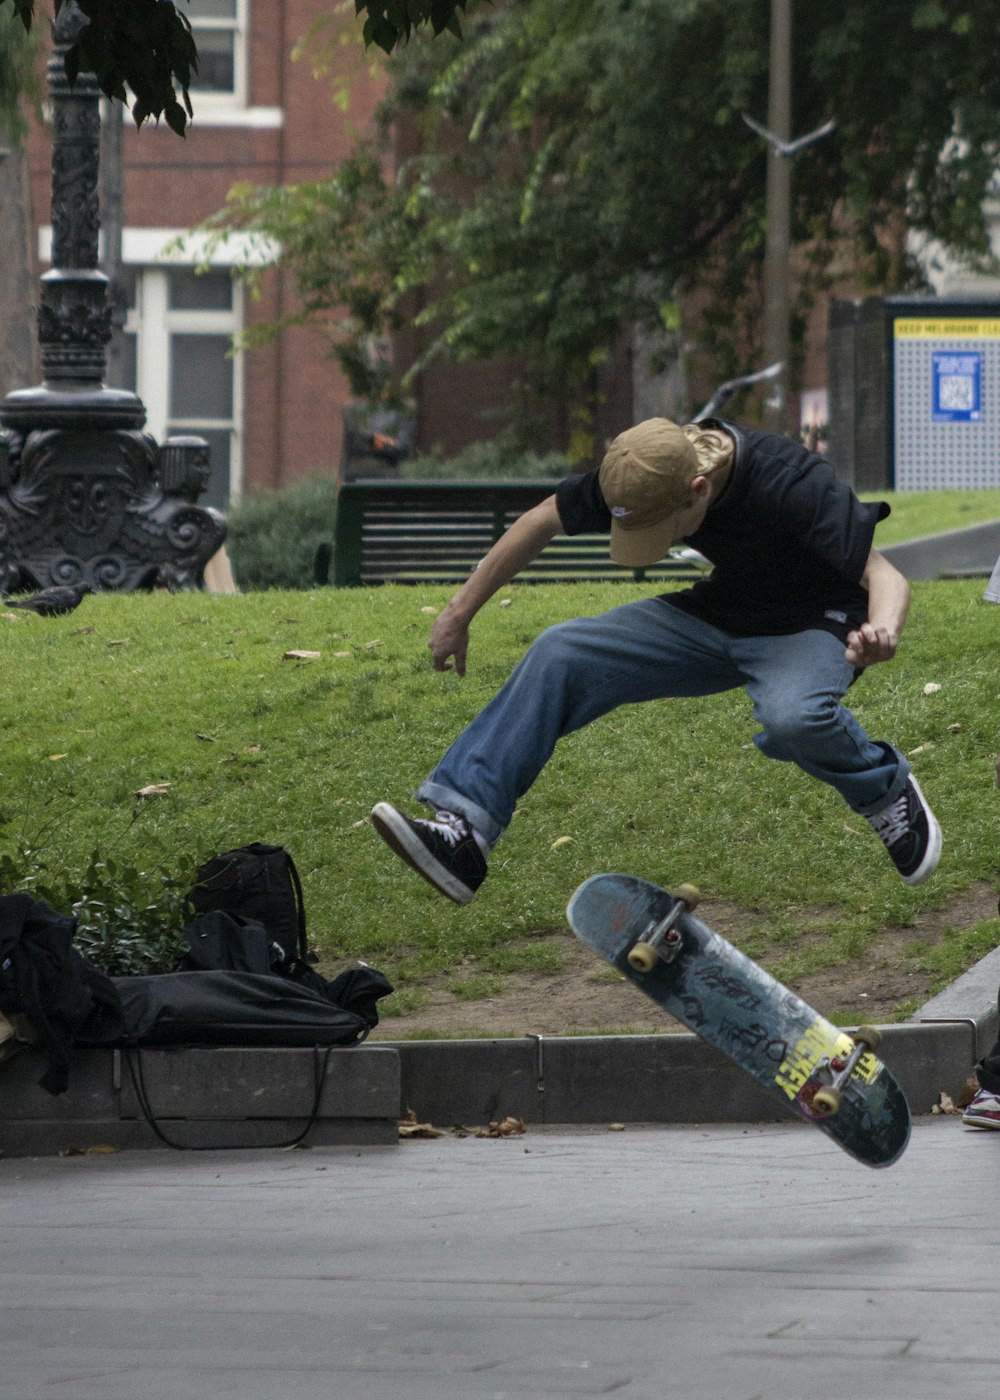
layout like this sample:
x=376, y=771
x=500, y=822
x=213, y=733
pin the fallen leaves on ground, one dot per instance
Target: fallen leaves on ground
x=411, y=1127
x=507, y=1127
x=945, y=1104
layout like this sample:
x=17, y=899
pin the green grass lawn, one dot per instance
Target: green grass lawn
x=192, y=691
x=916, y=513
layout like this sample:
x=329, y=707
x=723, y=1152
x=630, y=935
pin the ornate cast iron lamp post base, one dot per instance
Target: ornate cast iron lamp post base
x=85, y=495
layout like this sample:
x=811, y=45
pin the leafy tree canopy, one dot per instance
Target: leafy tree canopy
x=390, y=21
x=146, y=46
x=582, y=162
x=17, y=77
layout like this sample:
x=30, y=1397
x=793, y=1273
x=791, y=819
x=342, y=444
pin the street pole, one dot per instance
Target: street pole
x=111, y=230
x=86, y=496
x=778, y=215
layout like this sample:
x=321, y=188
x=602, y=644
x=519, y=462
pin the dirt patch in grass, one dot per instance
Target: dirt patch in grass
x=586, y=997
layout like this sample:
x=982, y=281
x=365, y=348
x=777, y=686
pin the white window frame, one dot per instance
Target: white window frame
x=152, y=321
x=213, y=103
x=146, y=250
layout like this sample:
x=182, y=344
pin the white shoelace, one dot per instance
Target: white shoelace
x=450, y=828
x=891, y=823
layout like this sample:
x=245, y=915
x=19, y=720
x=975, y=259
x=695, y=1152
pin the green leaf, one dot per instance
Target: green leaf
x=929, y=14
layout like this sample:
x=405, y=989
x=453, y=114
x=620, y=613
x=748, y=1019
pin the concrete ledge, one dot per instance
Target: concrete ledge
x=470, y=1081
x=973, y=550
x=224, y=1097
x=971, y=1000
x=642, y=1079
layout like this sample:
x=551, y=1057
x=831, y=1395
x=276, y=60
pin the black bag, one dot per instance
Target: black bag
x=232, y=1008
x=256, y=882
x=44, y=978
x=227, y=1007
x=220, y=942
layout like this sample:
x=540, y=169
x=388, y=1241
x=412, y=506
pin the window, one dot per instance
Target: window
x=220, y=35
x=177, y=357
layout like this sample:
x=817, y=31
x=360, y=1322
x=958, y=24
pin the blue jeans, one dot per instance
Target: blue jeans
x=649, y=650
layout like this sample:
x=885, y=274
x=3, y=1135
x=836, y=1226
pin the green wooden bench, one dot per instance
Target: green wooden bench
x=437, y=532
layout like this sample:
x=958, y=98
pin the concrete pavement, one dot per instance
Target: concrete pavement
x=689, y=1260
x=752, y=1263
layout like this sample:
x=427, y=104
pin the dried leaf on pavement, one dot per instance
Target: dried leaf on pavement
x=945, y=1104
x=508, y=1127
x=411, y=1127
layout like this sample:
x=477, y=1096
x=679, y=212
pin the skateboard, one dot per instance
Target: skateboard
x=829, y=1078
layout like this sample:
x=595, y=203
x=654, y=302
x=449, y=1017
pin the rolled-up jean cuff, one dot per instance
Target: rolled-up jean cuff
x=444, y=799
x=898, y=783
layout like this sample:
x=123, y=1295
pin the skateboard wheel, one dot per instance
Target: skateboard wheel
x=826, y=1102
x=642, y=958
x=690, y=894
x=868, y=1036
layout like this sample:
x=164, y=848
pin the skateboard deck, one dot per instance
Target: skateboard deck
x=807, y=1064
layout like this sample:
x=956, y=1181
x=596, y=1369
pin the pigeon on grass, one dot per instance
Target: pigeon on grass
x=52, y=602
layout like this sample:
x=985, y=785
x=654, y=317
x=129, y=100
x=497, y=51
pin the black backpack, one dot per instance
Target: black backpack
x=261, y=883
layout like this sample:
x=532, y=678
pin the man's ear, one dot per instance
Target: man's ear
x=700, y=485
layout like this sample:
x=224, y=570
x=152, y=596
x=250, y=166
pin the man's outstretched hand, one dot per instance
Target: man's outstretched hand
x=449, y=638
x=868, y=645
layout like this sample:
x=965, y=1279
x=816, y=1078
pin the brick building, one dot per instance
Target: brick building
x=274, y=415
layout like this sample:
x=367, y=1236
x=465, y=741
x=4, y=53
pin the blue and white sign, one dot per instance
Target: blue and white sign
x=958, y=386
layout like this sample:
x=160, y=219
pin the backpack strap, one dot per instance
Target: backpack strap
x=320, y=1065
x=300, y=909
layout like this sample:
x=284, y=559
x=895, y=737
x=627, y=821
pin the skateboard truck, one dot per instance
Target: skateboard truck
x=662, y=941
x=826, y=1101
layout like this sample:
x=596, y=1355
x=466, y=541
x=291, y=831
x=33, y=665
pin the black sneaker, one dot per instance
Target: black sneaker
x=910, y=833
x=445, y=852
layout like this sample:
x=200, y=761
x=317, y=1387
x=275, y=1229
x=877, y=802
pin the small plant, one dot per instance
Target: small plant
x=273, y=535
x=129, y=920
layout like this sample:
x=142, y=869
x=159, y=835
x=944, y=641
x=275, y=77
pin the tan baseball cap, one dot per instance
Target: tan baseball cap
x=645, y=479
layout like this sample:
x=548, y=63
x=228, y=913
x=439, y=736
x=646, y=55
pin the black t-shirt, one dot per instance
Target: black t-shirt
x=789, y=542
